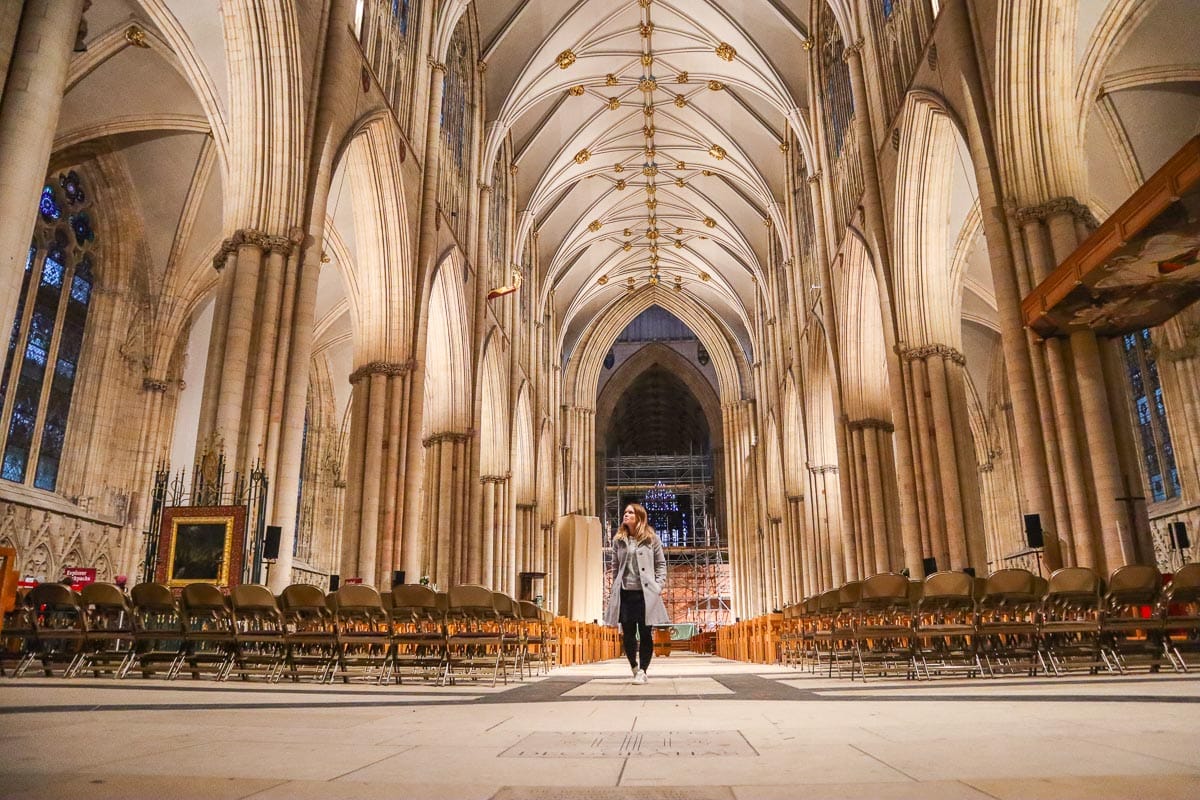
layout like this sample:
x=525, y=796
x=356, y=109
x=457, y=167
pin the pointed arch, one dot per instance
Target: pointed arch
x=494, y=455
x=583, y=368
x=447, y=351
x=524, y=483
x=863, y=357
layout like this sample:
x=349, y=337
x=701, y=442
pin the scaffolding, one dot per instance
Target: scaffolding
x=698, y=583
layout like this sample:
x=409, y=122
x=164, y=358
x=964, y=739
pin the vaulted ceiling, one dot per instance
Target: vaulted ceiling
x=647, y=140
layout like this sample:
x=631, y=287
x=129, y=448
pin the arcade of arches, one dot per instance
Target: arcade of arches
x=791, y=237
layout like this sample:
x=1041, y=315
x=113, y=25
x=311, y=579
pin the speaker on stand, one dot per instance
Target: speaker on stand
x=1177, y=532
x=270, y=550
x=929, y=565
x=1035, y=537
x=335, y=581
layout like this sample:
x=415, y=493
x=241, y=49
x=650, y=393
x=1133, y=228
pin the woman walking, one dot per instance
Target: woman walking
x=636, y=598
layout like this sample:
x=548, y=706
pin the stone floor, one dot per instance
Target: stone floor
x=701, y=728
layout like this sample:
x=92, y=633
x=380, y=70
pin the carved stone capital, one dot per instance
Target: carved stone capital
x=821, y=469
x=1059, y=205
x=495, y=478
x=436, y=66
x=445, y=436
x=870, y=423
x=853, y=48
x=268, y=243
x=526, y=506
x=814, y=178
x=795, y=498
x=155, y=384
x=926, y=350
x=388, y=368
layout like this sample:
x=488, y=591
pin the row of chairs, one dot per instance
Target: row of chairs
x=354, y=632
x=1010, y=622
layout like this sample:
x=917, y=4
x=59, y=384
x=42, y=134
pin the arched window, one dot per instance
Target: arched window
x=839, y=100
x=1151, y=414
x=498, y=225
x=47, y=336
x=386, y=33
x=458, y=127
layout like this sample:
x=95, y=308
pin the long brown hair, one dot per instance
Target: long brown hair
x=642, y=530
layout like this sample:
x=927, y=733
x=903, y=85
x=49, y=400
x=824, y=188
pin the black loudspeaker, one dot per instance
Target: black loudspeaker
x=1033, y=531
x=969, y=571
x=397, y=577
x=335, y=580
x=271, y=543
x=1179, y=535
x=930, y=565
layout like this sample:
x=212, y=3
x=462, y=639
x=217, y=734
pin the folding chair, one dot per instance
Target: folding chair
x=1132, y=629
x=260, y=646
x=108, y=644
x=474, y=634
x=882, y=631
x=513, y=646
x=1181, y=616
x=1008, y=622
x=364, y=643
x=1071, y=615
x=209, y=636
x=157, y=630
x=418, y=632
x=535, y=638
x=59, y=625
x=311, y=636
x=944, y=632
x=18, y=643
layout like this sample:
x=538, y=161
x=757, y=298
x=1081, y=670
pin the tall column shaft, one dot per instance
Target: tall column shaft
x=29, y=109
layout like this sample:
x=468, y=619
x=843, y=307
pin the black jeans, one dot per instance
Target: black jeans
x=634, y=627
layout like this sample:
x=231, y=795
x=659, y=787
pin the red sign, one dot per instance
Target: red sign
x=79, y=576
x=352, y=580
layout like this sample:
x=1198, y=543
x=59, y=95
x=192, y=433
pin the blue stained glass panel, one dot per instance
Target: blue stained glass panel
x=81, y=290
x=72, y=187
x=48, y=205
x=82, y=225
x=52, y=270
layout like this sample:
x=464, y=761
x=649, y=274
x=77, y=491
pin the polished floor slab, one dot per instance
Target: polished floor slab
x=701, y=728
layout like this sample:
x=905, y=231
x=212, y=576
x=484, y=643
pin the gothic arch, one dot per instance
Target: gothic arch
x=494, y=454
x=660, y=354
x=524, y=483
x=863, y=359
x=583, y=369
x=447, y=351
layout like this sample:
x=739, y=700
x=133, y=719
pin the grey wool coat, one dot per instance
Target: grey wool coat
x=652, y=564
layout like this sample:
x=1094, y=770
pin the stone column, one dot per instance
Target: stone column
x=370, y=536
x=410, y=515
x=29, y=108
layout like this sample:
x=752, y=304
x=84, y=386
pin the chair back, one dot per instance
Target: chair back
x=1134, y=584
x=1185, y=586
x=849, y=594
x=948, y=584
x=529, y=610
x=202, y=597
x=468, y=599
x=54, y=596
x=358, y=596
x=1011, y=584
x=414, y=596
x=103, y=595
x=152, y=596
x=1074, y=581
x=302, y=596
x=252, y=597
x=886, y=588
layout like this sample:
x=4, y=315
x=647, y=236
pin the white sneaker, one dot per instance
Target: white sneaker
x=640, y=677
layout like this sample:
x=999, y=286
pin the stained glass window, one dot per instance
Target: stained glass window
x=839, y=99
x=887, y=7
x=47, y=332
x=1150, y=412
x=458, y=122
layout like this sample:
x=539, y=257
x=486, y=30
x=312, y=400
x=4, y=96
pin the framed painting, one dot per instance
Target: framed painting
x=201, y=544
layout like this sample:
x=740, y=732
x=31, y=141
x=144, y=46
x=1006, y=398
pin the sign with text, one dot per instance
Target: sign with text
x=79, y=576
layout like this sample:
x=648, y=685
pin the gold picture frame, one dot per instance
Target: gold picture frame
x=201, y=544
